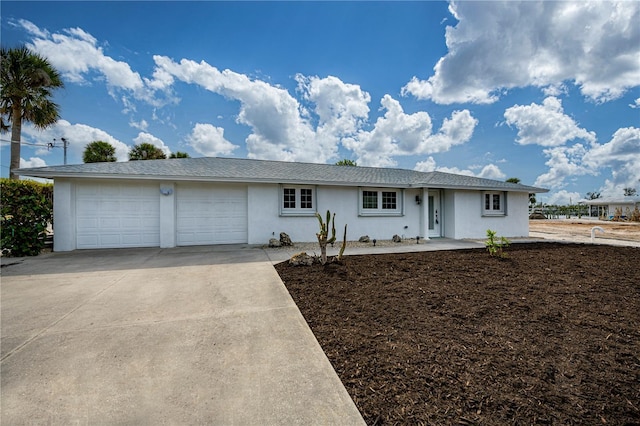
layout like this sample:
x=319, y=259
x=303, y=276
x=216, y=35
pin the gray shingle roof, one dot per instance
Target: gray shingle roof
x=217, y=169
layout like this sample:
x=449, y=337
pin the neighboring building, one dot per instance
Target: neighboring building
x=197, y=201
x=606, y=207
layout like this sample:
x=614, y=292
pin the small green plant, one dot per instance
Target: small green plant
x=324, y=238
x=495, y=246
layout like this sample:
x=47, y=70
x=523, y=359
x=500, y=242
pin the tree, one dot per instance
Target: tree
x=27, y=81
x=346, y=162
x=179, y=154
x=593, y=195
x=630, y=192
x=513, y=180
x=99, y=152
x=146, y=151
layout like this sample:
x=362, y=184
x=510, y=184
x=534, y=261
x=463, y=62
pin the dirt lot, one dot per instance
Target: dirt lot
x=580, y=230
x=550, y=335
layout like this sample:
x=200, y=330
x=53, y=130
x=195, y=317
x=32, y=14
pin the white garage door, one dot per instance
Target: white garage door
x=211, y=214
x=112, y=215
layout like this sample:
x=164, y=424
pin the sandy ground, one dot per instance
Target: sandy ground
x=579, y=230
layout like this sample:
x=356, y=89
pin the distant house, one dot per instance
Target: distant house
x=606, y=207
x=198, y=201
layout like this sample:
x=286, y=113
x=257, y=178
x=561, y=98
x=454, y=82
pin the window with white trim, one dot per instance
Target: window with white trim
x=494, y=204
x=297, y=200
x=380, y=202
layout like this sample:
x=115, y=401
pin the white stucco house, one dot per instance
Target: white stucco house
x=198, y=201
x=606, y=207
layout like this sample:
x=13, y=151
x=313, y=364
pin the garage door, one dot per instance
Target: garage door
x=112, y=215
x=210, y=214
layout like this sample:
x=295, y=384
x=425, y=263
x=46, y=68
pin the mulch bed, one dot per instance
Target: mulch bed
x=550, y=335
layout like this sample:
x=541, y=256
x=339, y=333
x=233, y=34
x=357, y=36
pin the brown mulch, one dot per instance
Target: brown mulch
x=550, y=335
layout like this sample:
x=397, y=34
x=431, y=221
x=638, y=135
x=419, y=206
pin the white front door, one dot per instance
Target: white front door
x=435, y=214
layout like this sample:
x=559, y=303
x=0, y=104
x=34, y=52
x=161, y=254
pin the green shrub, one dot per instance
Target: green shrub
x=495, y=246
x=26, y=208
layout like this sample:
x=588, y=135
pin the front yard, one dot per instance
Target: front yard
x=550, y=335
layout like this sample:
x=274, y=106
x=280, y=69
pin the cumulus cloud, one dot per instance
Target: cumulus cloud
x=77, y=135
x=209, y=140
x=622, y=155
x=144, y=137
x=635, y=104
x=140, y=125
x=497, y=46
x=32, y=162
x=545, y=125
x=278, y=129
x=79, y=58
x=564, y=162
x=563, y=198
x=489, y=171
x=397, y=133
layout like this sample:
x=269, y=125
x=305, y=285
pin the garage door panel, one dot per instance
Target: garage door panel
x=112, y=215
x=211, y=215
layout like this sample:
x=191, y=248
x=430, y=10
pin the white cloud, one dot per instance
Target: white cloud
x=490, y=171
x=622, y=155
x=564, y=162
x=503, y=45
x=563, y=198
x=76, y=54
x=78, y=136
x=545, y=125
x=278, y=129
x=144, y=137
x=140, y=125
x=398, y=133
x=635, y=104
x=32, y=162
x=209, y=140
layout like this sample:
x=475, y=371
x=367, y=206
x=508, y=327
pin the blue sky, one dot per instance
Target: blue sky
x=548, y=92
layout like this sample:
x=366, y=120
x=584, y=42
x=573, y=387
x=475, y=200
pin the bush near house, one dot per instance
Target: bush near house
x=26, y=208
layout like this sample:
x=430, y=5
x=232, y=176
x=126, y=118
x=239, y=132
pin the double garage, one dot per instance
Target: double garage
x=143, y=214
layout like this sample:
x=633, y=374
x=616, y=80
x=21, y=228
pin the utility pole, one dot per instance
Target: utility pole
x=65, y=144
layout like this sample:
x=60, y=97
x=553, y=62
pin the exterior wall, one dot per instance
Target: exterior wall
x=460, y=215
x=64, y=215
x=167, y=215
x=470, y=223
x=265, y=221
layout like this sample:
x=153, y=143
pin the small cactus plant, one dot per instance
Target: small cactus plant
x=324, y=238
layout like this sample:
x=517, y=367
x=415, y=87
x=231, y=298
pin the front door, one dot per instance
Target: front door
x=435, y=214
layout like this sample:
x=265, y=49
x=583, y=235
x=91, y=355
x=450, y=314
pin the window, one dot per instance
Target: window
x=388, y=200
x=380, y=202
x=297, y=201
x=369, y=199
x=494, y=204
x=306, y=199
x=289, y=198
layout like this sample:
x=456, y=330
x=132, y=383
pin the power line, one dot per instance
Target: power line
x=26, y=143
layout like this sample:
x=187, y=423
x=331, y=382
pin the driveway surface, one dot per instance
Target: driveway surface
x=192, y=335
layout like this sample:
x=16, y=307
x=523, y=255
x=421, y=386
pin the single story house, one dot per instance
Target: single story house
x=606, y=207
x=199, y=201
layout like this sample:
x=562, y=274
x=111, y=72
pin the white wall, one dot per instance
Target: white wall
x=64, y=215
x=470, y=223
x=265, y=221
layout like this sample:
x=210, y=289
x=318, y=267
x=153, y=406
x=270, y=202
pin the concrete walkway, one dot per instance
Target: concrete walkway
x=194, y=335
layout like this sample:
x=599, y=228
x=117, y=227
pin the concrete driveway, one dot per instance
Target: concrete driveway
x=197, y=335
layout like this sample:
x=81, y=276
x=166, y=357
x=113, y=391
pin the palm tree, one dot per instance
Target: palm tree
x=99, y=152
x=27, y=80
x=179, y=154
x=146, y=151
